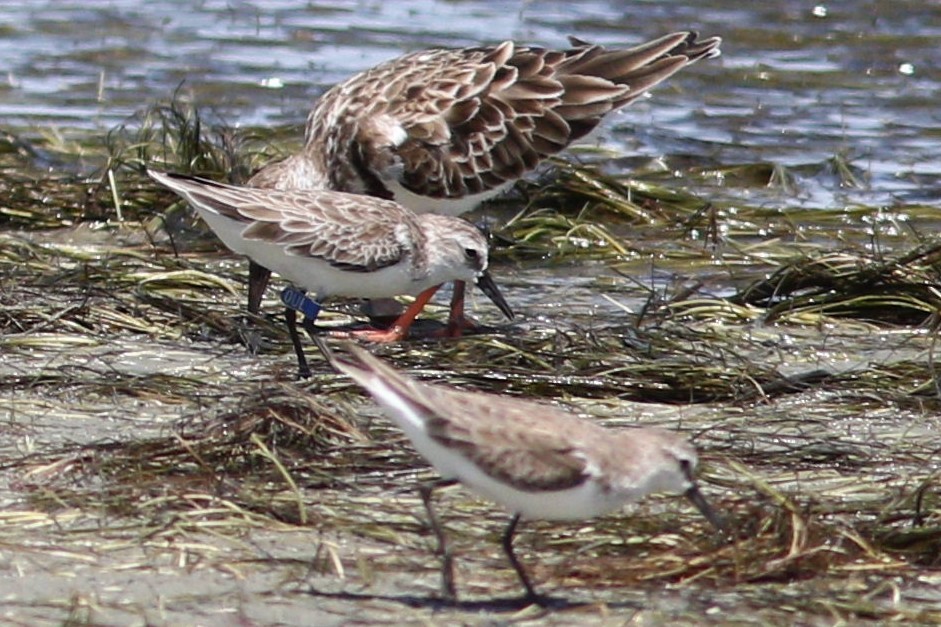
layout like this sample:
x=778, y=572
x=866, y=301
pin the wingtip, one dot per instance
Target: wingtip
x=708, y=48
x=156, y=175
x=353, y=358
x=167, y=179
x=577, y=42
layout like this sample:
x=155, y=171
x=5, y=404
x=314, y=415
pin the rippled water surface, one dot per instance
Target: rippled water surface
x=797, y=83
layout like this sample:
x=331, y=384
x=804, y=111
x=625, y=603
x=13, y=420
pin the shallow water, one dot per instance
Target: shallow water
x=796, y=85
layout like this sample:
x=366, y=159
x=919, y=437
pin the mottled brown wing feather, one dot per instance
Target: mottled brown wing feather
x=500, y=443
x=338, y=228
x=477, y=118
x=488, y=430
x=551, y=466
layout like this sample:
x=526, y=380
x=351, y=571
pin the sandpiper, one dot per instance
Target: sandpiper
x=340, y=244
x=534, y=459
x=442, y=130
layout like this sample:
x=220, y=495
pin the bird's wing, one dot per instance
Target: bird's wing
x=451, y=123
x=356, y=233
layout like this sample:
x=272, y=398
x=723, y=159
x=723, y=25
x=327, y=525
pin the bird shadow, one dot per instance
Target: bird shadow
x=493, y=604
x=421, y=329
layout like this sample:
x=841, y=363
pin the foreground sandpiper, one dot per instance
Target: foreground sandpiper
x=339, y=244
x=536, y=460
x=442, y=130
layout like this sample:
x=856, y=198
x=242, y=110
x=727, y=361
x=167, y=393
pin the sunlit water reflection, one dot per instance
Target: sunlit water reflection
x=797, y=84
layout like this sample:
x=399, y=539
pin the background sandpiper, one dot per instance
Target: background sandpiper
x=442, y=130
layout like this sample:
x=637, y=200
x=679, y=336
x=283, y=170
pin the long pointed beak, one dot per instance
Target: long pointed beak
x=694, y=495
x=488, y=287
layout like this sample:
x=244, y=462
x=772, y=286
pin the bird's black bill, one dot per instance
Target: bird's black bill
x=488, y=287
x=694, y=495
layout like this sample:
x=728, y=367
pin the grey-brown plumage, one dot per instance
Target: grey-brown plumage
x=536, y=460
x=456, y=124
x=335, y=243
x=348, y=231
x=339, y=244
x=440, y=131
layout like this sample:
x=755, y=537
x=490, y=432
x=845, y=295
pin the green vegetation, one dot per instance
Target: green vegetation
x=797, y=345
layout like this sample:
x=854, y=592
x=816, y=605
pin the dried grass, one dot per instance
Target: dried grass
x=810, y=387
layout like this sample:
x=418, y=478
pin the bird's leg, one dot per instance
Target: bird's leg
x=399, y=329
x=257, y=283
x=456, y=320
x=308, y=324
x=447, y=561
x=290, y=317
x=297, y=300
x=531, y=596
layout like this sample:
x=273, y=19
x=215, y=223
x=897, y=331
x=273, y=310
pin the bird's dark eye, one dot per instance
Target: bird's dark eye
x=471, y=253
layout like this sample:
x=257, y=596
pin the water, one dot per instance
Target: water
x=797, y=83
